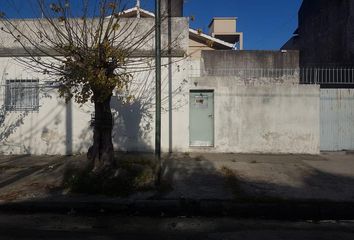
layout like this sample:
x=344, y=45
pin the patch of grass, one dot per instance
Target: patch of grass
x=132, y=175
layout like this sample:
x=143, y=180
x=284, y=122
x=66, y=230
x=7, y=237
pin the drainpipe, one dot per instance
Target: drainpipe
x=158, y=86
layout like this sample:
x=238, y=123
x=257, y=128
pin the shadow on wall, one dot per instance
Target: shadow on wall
x=53, y=137
x=18, y=135
x=133, y=120
x=9, y=126
x=132, y=125
x=133, y=113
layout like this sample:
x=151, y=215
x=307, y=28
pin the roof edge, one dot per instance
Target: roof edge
x=226, y=44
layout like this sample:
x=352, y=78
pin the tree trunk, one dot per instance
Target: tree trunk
x=101, y=153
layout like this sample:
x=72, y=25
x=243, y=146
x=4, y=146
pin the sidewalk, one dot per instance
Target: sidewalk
x=288, y=177
x=207, y=184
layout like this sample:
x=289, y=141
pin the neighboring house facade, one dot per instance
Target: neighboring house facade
x=34, y=120
x=222, y=33
x=325, y=34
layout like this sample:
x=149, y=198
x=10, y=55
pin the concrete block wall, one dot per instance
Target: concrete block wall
x=226, y=59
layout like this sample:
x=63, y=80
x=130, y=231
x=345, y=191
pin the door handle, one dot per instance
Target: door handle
x=211, y=116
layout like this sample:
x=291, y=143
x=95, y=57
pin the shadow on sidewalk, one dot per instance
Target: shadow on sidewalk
x=254, y=178
x=194, y=178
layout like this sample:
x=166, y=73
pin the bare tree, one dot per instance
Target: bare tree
x=89, y=53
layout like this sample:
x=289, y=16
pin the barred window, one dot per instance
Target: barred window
x=22, y=95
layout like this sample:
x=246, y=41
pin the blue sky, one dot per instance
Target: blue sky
x=267, y=24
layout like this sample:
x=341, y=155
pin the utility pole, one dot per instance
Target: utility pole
x=158, y=86
x=138, y=8
x=42, y=9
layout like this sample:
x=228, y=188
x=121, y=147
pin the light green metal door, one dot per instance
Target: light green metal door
x=201, y=118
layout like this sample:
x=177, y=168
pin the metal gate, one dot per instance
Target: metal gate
x=337, y=119
x=336, y=105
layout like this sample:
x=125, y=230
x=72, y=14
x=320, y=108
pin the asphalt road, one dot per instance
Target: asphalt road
x=46, y=226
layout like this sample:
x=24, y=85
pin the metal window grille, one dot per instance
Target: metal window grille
x=245, y=73
x=22, y=95
x=327, y=76
x=322, y=76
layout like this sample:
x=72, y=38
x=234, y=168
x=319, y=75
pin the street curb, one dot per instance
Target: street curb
x=289, y=210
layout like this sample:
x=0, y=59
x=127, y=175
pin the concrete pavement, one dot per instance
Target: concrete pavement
x=246, y=185
x=328, y=177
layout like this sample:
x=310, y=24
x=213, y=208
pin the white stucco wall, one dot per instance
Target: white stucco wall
x=249, y=118
x=132, y=31
x=56, y=128
x=59, y=128
x=263, y=118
